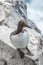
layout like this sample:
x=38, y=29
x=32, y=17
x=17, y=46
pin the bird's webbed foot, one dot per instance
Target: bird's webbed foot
x=21, y=53
x=29, y=52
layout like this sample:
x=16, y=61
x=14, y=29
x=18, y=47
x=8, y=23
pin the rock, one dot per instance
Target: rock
x=6, y=54
x=32, y=24
x=3, y=61
x=14, y=11
x=2, y=14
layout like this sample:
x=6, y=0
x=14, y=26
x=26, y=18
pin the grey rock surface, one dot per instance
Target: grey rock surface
x=6, y=54
x=12, y=11
x=32, y=24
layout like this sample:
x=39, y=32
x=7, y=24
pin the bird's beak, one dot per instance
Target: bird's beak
x=28, y=26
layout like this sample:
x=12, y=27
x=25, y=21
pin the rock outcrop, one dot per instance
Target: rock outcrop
x=6, y=54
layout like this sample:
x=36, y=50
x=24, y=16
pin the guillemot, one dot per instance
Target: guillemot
x=20, y=38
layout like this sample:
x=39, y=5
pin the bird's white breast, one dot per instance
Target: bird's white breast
x=20, y=40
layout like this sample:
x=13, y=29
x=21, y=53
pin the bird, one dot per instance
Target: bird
x=20, y=38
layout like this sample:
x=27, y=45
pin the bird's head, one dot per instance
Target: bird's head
x=22, y=23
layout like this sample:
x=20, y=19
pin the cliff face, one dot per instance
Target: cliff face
x=6, y=54
x=10, y=14
x=13, y=11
